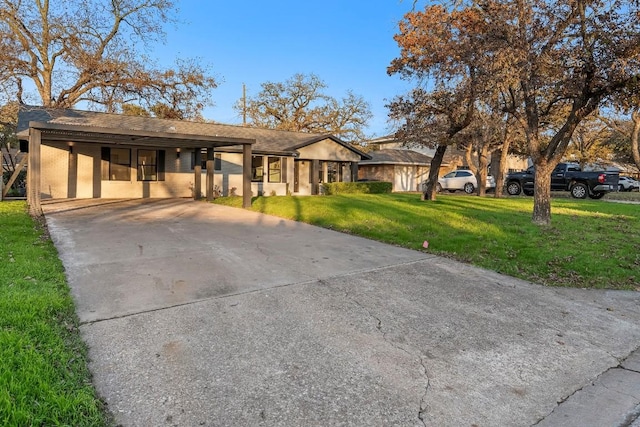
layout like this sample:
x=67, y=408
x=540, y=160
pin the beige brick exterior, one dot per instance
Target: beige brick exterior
x=54, y=171
x=179, y=176
x=328, y=150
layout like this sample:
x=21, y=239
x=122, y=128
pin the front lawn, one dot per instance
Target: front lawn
x=591, y=244
x=44, y=380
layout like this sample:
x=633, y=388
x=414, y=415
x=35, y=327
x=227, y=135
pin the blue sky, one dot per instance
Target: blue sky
x=348, y=44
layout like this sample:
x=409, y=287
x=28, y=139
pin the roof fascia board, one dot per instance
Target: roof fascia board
x=230, y=149
x=390, y=162
x=44, y=126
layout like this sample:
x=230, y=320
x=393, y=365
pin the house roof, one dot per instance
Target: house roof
x=199, y=134
x=397, y=157
x=383, y=140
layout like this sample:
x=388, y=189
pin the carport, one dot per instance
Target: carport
x=38, y=132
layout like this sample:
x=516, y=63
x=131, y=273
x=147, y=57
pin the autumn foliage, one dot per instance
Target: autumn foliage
x=550, y=63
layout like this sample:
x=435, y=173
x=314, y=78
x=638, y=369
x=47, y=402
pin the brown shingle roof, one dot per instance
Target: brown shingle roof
x=397, y=157
x=267, y=140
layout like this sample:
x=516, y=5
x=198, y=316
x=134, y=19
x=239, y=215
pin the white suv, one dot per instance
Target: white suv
x=626, y=183
x=461, y=179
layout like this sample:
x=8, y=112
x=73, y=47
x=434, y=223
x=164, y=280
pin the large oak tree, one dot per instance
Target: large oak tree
x=437, y=51
x=301, y=104
x=557, y=61
x=562, y=60
x=95, y=51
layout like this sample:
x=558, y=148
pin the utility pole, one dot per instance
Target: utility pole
x=244, y=105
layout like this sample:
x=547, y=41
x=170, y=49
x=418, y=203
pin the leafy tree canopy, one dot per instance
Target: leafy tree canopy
x=555, y=62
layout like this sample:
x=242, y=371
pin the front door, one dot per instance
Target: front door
x=296, y=176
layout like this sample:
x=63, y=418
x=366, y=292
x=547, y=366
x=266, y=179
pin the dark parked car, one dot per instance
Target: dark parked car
x=566, y=177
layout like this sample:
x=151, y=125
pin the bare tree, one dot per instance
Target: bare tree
x=590, y=142
x=486, y=134
x=300, y=104
x=94, y=51
x=624, y=141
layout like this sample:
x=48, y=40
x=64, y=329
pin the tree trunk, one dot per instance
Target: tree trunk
x=483, y=163
x=635, y=152
x=542, y=195
x=434, y=171
x=468, y=151
x=500, y=172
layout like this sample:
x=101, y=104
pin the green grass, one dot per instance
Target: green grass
x=633, y=196
x=590, y=244
x=44, y=380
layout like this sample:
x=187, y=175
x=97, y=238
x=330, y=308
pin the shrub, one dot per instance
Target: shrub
x=18, y=189
x=372, y=187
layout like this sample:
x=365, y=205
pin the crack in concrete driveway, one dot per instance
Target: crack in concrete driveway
x=261, y=333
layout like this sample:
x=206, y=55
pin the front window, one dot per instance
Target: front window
x=147, y=165
x=275, y=169
x=120, y=164
x=334, y=172
x=257, y=169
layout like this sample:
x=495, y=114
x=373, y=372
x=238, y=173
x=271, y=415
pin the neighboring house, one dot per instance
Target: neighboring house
x=453, y=159
x=405, y=169
x=84, y=154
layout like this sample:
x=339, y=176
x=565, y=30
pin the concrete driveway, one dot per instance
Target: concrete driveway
x=197, y=314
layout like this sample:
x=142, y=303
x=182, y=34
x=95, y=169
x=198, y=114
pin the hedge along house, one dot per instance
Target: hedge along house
x=84, y=154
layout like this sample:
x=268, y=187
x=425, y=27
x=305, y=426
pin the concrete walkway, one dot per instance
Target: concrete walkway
x=198, y=314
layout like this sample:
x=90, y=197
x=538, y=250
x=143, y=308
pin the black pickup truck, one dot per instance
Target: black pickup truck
x=566, y=177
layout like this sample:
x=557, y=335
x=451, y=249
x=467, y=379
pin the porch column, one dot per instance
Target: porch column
x=197, y=175
x=72, y=175
x=246, y=175
x=354, y=171
x=315, y=178
x=33, y=172
x=210, y=167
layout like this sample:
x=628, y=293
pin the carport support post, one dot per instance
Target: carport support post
x=72, y=180
x=210, y=167
x=33, y=172
x=197, y=175
x=315, y=178
x=246, y=175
